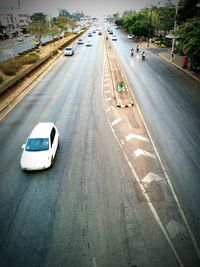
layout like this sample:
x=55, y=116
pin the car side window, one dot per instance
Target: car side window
x=52, y=136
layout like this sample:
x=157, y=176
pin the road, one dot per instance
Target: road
x=170, y=103
x=11, y=47
x=87, y=210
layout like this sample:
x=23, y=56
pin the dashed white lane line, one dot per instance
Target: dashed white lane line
x=107, y=79
x=140, y=152
x=106, y=84
x=115, y=122
x=108, y=99
x=135, y=136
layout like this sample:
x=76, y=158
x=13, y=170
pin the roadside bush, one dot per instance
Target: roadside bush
x=33, y=54
x=29, y=58
x=10, y=67
x=9, y=70
x=168, y=42
x=157, y=42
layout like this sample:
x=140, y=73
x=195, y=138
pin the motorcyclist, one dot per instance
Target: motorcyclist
x=137, y=48
x=132, y=52
x=143, y=55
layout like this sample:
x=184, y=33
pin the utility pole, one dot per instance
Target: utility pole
x=173, y=40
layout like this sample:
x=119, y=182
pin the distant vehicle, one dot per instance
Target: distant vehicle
x=130, y=36
x=80, y=41
x=88, y=43
x=99, y=33
x=94, y=31
x=68, y=51
x=40, y=148
x=110, y=32
x=114, y=38
x=89, y=34
x=20, y=39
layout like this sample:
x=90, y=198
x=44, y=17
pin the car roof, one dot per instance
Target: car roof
x=41, y=130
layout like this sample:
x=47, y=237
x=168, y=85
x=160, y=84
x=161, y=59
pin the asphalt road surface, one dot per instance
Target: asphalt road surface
x=170, y=103
x=87, y=210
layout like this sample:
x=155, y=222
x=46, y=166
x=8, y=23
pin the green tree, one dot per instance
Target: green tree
x=38, y=17
x=189, y=40
x=64, y=22
x=187, y=9
x=39, y=26
x=165, y=18
x=39, y=29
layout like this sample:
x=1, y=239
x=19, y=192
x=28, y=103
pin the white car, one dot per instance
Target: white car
x=68, y=51
x=80, y=41
x=40, y=148
x=88, y=43
x=130, y=36
x=20, y=39
x=114, y=37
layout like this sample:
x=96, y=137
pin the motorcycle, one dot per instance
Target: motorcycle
x=143, y=56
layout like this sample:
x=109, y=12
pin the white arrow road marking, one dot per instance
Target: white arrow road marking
x=115, y=122
x=107, y=99
x=150, y=177
x=140, y=152
x=175, y=228
x=139, y=137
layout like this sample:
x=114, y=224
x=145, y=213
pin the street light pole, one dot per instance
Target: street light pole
x=173, y=40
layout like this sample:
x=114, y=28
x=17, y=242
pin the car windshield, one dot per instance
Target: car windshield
x=37, y=144
x=68, y=49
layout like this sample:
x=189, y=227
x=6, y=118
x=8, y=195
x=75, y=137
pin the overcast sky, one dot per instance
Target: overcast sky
x=89, y=7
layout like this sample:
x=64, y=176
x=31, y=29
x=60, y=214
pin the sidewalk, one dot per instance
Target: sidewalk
x=177, y=61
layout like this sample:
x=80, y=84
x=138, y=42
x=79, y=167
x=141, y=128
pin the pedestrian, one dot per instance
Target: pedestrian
x=185, y=61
